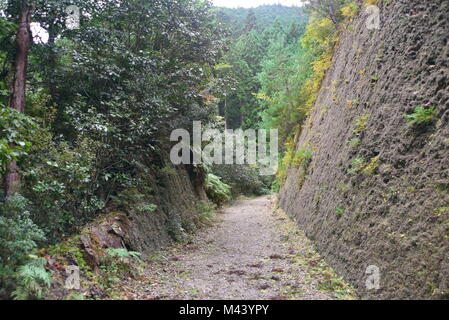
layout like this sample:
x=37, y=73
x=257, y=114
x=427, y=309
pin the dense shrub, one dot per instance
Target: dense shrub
x=16, y=130
x=62, y=183
x=19, y=236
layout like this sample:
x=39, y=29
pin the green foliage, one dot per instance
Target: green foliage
x=350, y=10
x=328, y=9
x=284, y=71
x=421, y=115
x=372, y=166
x=302, y=160
x=357, y=165
x=361, y=123
x=441, y=211
x=148, y=207
x=207, y=212
x=302, y=155
x=340, y=211
x=135, y=200
x=19, y=236
x=61, y=181
x=265, y=17
x=293, y=80
x=16, y=130
x=314, y=59
x=355, y=142
x=285, y=163
x=217, y=191
x=33, y=280
x=123, y=254
x=260, y=47
x=70, y=249
x=116, y=265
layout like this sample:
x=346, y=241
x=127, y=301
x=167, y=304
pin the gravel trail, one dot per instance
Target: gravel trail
x=251, y=252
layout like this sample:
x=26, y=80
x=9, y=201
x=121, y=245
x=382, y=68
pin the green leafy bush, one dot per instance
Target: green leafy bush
x=217, y=191
x=340, y=211
x=19, y=236
x=15, y=131
x=62, y=183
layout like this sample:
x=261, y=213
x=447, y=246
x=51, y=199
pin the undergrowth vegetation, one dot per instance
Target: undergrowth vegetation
x=421, y=115
x=33, y=280
x=217, y=191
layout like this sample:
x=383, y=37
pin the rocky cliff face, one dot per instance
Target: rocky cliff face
x=376, y=191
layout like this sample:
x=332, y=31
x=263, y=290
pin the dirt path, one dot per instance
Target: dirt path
x=251, y=252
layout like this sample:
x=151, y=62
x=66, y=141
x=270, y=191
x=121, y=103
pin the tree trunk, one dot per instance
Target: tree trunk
x=332, y=14
x=17, y=101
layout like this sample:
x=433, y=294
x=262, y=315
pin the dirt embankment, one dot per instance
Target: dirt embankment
x=377, y=189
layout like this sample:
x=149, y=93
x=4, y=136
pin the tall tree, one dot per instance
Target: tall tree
x=17, y=101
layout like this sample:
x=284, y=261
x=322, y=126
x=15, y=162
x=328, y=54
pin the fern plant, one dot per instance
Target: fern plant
x=19, y=237
x=218, y=191
x=33, y=280
x=115, y=265
x=123, y=254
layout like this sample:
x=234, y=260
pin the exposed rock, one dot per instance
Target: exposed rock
x=386, y=216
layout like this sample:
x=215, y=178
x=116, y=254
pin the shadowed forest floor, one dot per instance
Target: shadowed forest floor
x=251, y=252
